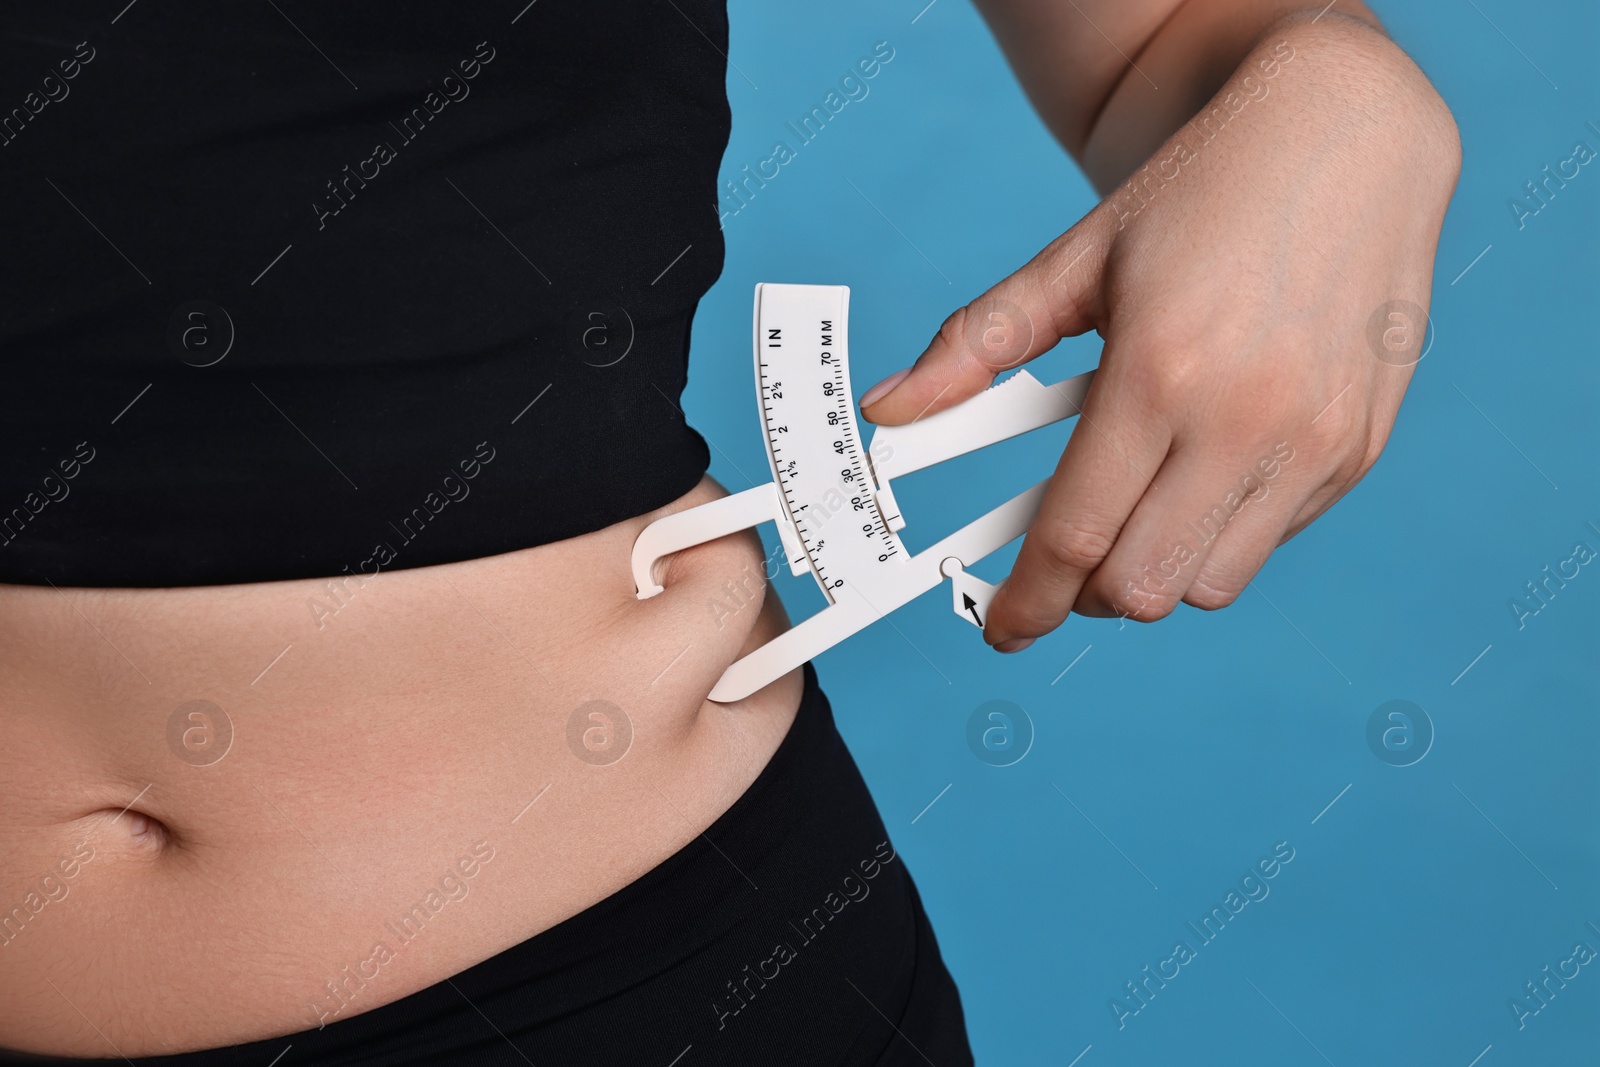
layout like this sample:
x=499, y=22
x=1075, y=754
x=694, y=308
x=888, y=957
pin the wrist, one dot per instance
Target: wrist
x=1358, y=80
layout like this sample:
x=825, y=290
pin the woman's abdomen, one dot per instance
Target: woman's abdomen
x=233, y=812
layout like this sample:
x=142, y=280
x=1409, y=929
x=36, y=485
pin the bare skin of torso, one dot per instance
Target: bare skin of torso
x=420, y=769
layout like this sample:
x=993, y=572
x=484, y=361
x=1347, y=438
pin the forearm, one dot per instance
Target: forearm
x=1114, y=79
x=1341, y=72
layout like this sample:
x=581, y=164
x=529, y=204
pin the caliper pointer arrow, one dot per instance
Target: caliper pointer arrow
x=970, y=595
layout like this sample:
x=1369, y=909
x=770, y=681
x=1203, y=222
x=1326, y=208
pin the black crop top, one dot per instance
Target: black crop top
x=295, y=289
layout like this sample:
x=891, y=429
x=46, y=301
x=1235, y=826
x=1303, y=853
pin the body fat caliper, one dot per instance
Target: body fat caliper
x=832, y=498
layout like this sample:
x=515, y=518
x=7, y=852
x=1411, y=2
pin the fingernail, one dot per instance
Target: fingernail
x=881, y=390
x=1015, y=644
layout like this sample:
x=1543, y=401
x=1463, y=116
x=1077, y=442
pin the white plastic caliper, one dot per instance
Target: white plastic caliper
x=832, y=499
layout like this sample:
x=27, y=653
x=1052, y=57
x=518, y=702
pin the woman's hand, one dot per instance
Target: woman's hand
x=1261, y=285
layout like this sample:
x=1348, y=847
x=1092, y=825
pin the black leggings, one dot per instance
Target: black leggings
x=789, y=933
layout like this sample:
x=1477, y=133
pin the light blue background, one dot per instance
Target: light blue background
x=1420, y=903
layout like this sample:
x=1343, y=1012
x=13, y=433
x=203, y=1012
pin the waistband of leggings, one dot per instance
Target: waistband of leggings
x=715, y=867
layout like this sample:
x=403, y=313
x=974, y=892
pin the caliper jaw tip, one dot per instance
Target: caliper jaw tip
x=644, y=576
x=697, y=525
x=970, y=596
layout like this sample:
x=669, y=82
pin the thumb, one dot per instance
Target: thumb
x=1056, y=294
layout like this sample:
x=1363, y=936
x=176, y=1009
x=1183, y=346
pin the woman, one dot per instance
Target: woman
x=331, y=729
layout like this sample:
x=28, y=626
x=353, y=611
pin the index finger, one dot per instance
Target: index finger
x=1053, y=295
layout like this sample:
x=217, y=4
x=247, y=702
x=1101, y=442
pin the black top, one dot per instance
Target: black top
x=293, y=290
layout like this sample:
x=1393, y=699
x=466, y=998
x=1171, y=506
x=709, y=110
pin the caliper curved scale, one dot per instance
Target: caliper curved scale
x=832, y=498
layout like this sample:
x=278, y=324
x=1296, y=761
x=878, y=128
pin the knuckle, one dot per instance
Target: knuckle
x=1143, y=599
x=1369, y=459
x=1209, y=592
x=1337, y=425
x=993, y=330
x=1354, y=456
x=1075, y=548
x=1349, y=470
x=1139, y=606
x=1170, y=377
x=952, y=330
